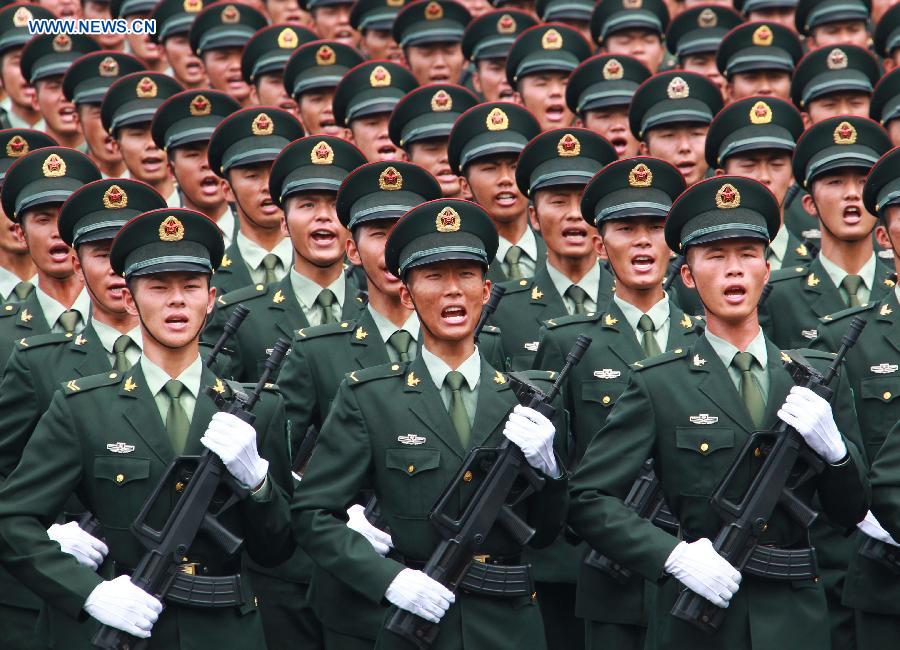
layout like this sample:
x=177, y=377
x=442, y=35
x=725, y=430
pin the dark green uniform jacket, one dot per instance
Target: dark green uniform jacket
x=682, y=410
x=495, y=270
x=362, y=445
x=232, y=273
x=19, y=320
x=802, y=224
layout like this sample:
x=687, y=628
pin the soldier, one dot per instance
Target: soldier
x=126, y=112
x=33, y=189
x=287, y=11
x=263, y=62
x=373, y=20
x=758, y=59
x=538, y=68
x=575, y=14
x=695, y=35
x=834, y=81
x=628, y=201
x=84, y=84
x=486, y=44
x=733, y=376
x=310, y=77
x=241, y=151
x=421, y=123
x=885, y=107
x=331, y=20
x=670, y=114
x=552, y=171
x=887, y=38
x=139, y=43
x=486, y=164
x=218, y=35
x=99, y=9
x=833, y=23
x=624, y=27
x=182, y=126
x=156, y=411
x=430, y=33
x=18, y=109
x=173, y=23
x=363, y=101
x=599, y=93
x=453, y=397
x=831, y=162
x=780, y=12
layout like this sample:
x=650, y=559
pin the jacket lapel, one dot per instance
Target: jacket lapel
x=780, y=383
x=683, y=329
x=887, y=313
x=141, y=413
x=624, y=344
x=203, y=412
x=366, y=345
x=91, y=355
x=884, y=281
x=492, y=407
x=717, y=384
x=426, y=405
x=545, y=298
x=31, y=320
x=284, y=310
x=822, y=295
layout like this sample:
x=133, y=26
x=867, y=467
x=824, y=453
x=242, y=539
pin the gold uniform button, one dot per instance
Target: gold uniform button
x=467, y=477
x=606, y=399
x=260, y=287
x=395, y=367
x=887, y=394
x=179, y=487
x=704, y=447
x=757, y=452
x=522, y=283
x=120, y=478
x=113, y=375
x=678, y=351
x=411, y=469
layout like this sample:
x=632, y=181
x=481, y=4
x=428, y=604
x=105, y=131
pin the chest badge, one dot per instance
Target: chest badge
x=703, y=418
x=120, y=448
x=531, y=346
x=607, y=373
x=411, y=439
x=809, y=334
x=884, y=368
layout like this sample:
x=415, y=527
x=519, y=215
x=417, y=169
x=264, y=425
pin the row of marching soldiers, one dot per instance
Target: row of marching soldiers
x=714, y=230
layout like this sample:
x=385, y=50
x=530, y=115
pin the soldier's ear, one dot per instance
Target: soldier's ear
x=809, y=204
x=643, y=148
x=353, y=251
x=405, y=295
x=883, y=236
x=533, y=218
x=807, y=120
x=687, y=277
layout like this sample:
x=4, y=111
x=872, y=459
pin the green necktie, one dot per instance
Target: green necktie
x=458, y=414
x=578, y=296
x=269, y=263
x=852, y=284
x=177, y=424
x=23, y=289
x=325, y=299
x=513, y=255
x=120, y=362
x=68, y=320
x=648, y=339
x=400, y=341
x=749, y=387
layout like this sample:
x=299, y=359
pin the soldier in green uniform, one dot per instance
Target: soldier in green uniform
x=331, y=20
x=885, y=106
x=571, y=13
x=694, y=37
x=33, y=189
x=831, y=162
x=373, y=20
x=887, y=38
x=538, y=67
x=485, y=45
x=484, y=148
x=403, y=429
x=625, y=27
x=363, y=101
x=181, y=127
x=17, y=108
x=628, y=201
x=758, y=59
x=241, y=150
x=690, y=410
x=430, y=34
x=173, y=23
x=770, y=11
x=134, y=424
x=833, y=22
x=263, y=61
x=126, y=113
x=421, y=123
x=310, y=77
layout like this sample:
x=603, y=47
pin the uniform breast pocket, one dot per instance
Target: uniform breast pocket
x=881, y=406
x=704, y=455
x=412, y=480
x=602, y=392
x=122, y=488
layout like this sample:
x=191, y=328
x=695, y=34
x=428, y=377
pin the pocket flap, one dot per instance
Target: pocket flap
x=602, y=392
x=412, y=461
x=121, y=470
x=704, y=440
x=883, y=389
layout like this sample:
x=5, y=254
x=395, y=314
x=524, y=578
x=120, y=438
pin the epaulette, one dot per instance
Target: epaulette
x=547, y=375
x=249, y=386
x=244, y=293
x=10, y=309
x=40, y=340
x=375, y=372
x=343, y=327
x=518, y=286
x=665, y=357
x=589, y=317
x=83, y=384
x=811, y=353
x=493, y=330
x=850, y=311
x=788, y=273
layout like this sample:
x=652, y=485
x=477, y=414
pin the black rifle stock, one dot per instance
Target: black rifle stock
x=746, y=519
x=676, y=264
x=191, y=513
x=501, y=469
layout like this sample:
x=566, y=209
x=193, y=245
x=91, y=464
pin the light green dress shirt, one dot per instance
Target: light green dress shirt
x=777, y=249
x=757, y=348
x=528, y=260
x=471, y=371
x=53, y=309
x=156, y=379
x=307, y=291
x=253, y=255
x=659, y=314
x=837, y=275
x=590, y=283
x=386, y=329
x=8, y=282
x=108, y=336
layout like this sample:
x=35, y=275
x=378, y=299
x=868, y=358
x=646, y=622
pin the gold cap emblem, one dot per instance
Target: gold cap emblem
x=497, y=120
x=287, y=39
x=506, y=24
x=146, y=88
x=707, y=18
x=640, y=176
x=447, y=220
x=433, y=11
x=16, y=147
x=613, y=70
x=21, y=17
x=763, y=36
x=171, y=229
x=837, y=59
x=568, y=146
x=325, y=56
x=390, y=180
x=200, y=106
x=728, y=197
x=380, y=77
x=552, y=40
x=192, y=6
x=108, y=67
x=761, y=113
x=114, y=198
x=54, y=166
x=441, y=102
x=845, y=133
x=230, y=15
x=262, y=125
x=321, y=154
x=678, y=89
x=62, y=43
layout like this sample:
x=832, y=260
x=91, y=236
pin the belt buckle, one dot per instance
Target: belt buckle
x=481, y=558
x=189, y=568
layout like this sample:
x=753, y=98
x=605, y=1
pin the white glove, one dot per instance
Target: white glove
x=873, y=529
x=124, y=606
x=380, y=540
x=811, y=416
x=699, y=568
x=84, y=547
x=234, y=441
x=533, y=434
x=417, y=593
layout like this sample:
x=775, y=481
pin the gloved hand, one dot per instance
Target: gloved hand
x=417, y=593
x=380, y=540
x=234, y=441
x=873, y=529
x=699, y=568
x=84, y=547
x=533, y=434
x=811, y=416
x=124, y=606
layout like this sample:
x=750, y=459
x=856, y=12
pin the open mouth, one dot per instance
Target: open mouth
x=454, y=315
x=343, y=35
x=574, y=235
x=268, y=207
x=193, y=66
x=388, y=152
x=643, y=263
x=152, y=163
x=59, y=253
x=620, y=144
x=734, y=294
x=852, y=215
x=177, y=322
x=115, y=290
x=323, y=238
x=555, y=112
x=505, y=199
x=288, y=104
x=209, y=186
x=67, y=114
x=235, y=82
x=506, y=93
x=686, y=167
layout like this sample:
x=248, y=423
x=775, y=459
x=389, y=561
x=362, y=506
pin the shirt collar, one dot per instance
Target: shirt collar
x=837, y=274
x=438, y=369
x=108, y=335
x=52, y=309
x=386, y=328
x=307, y=291
x=778, y=246
x=527, y=242
x=658, y=313
x=726, y=350
x=226, y=225
x=590, y=282
x=253, y=253
x=156, y=377
x=8, y=282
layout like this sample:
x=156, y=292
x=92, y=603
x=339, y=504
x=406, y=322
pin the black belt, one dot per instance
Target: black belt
x=491, y=576
x=192, y=590
x=884, y=554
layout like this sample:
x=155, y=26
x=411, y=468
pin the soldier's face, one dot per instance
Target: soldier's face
x=332, y=22
x=141, y=45
x=768, y=83
x=62, y=8
x=366, y=249
x=186, y=66
x=680, y=144
x=223, y=67
x=51, y=255
x=644, y=45
x=101, y=144
x=11, y=241
x=893, y=129
x=58, y=111
x=771, y=168
x=636, y=250
x=477, y=7
x=729, y=275
x=490, y=80
x=370, y=134
x=20, y=92
x=705, y=64
x=556, y=214
x=101, y=10
x=851, y=32
x=142, y=157
x=435, y=62
x=838, y=199
x=612, y=123
x=269, y=91
x=836, y=104
x=248, y=189
x=544, y=94
x=91, y=264
x=203, y=190
x=317, y=115
x=448, y=297
x=432, y=155
x=492, y=183
x=783, y=16
x=286, y=11
x=318, y=237
x=379, y=44
x=172, y=306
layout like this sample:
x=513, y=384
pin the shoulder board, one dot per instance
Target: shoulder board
x=809, y=353
x=40, y=340
x=517, y=286
x=9, y=310
x=376, y=372
x=493, y=330
x=788, y=273
x=838, y=315
x=244, y=293
x=344, y=327
x=665, y=357
x=250, y=386
x=547, y=375
x=82, y=384
x=589, y=317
